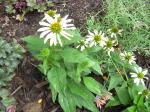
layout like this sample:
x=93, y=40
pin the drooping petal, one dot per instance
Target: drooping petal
x=43, y=29
x=59, y=40
x=133, y=75
x=145, y=72
x=142, y=81
x=137, y=81
x=96, y=32
x=82, y=48
x=140, y=69
x=52, y=41
x=136, y=69
x=92, y=34
x=55, y=39
x=48, y=18
x=49, y=36
x=44, y=33
x=91, y=44
x=78, y=46
x=65, y=35
x=42, y=23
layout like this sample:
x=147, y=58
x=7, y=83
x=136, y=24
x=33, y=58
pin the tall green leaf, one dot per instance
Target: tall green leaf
x=93, y=85
x=72, y=55
x=34, y=43
x=123, y=95
x=57, y=78
x=115, y=80
x=67, y=102
x=83, y=97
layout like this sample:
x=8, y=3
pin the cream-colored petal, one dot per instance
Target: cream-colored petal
x=64, y=35
x=78, y=46
x=43, y=29
x=133, y=74
x=55, y=39
x=137, y=81
x=140, y=69
x=145, y=72
x=91, y=44
x=82, y=48
x=92, y=34
x=59, y=40
x=44, y=33
x=49, y=36
x=67, y=34
x=52, y=41
x=96, y=32
x=48, y=18
x=44, y=23
x=136, y=69
x=142, y=81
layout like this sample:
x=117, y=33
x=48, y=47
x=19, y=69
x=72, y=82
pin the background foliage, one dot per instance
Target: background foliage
x=10, y=55
x=133, y=17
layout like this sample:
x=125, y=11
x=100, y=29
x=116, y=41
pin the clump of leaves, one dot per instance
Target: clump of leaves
x=13, y=6
x=5, y=100
x=10, y=55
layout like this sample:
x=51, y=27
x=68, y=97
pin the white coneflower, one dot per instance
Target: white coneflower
x=145, y=93
x=128, y=57
x=139, y=75
x=109, y=46
x=96, y=38
x=54, y=28
x=82, y=45
x=114, y=31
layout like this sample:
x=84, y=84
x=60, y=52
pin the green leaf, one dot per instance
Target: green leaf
x=93, y=85
x=87, y=104
x=123, y=95
x=6, y=99
x=57, y=78
x=132, y=109
x=71, y=55
x=115, y=80
x=140, y=101
x=97, y=68
x=83, y=97
x=113, y=102
x=54, y=93
x=35, y=44
x=67, y=103
x=72, y=71
x=80, y=90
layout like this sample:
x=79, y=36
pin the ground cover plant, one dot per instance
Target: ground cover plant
x=21, y=7
x=90, y=70
x=11, y=54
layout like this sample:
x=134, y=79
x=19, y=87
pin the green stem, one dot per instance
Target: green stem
x=114, y=65
x=125, y=73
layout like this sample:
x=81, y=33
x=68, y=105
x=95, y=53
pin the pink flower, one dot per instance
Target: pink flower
x=11, y=108
x=101, y=101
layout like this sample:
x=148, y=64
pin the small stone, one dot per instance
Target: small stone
x=32, y=107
